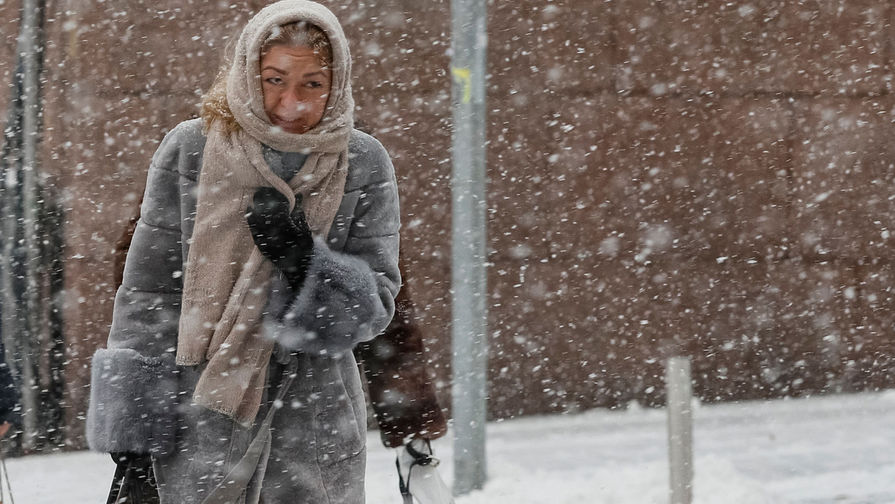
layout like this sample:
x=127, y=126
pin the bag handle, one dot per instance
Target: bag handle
x=5, y=475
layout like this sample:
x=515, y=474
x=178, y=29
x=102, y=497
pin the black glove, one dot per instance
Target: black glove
x=287, y=242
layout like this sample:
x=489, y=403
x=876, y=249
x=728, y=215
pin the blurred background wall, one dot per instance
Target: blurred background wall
x=711, y=178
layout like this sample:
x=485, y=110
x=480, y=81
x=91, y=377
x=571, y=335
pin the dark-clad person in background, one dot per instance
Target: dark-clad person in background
x=10, y=411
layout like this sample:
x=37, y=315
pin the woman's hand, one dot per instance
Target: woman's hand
x=4, y=428
x=287, y=242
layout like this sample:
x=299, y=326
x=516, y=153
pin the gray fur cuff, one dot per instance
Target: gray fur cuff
x=133, y=403
x=337, y=308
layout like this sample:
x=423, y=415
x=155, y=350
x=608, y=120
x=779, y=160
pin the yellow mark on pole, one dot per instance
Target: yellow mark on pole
x=464, y=77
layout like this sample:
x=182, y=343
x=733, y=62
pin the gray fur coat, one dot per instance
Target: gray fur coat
x=137, y=392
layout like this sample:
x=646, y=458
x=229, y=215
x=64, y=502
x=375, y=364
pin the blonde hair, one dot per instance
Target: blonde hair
x=214, y=106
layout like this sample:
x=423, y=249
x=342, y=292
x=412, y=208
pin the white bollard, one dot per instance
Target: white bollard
x=680, y=429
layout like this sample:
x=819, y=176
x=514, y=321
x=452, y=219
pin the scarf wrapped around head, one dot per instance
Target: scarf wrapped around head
x=226, y=279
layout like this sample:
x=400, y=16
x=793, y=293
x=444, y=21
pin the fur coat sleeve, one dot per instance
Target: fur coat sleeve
x=349, y=294
x=134, y=388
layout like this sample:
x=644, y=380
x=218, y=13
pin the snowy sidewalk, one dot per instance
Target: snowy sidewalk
x=838, y=449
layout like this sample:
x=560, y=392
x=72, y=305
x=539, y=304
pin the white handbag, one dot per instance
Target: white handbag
x=418, y=476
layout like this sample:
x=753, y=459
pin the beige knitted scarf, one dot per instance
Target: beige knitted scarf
x=226, y=279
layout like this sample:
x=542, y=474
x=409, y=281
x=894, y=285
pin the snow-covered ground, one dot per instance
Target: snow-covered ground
x=837, y=449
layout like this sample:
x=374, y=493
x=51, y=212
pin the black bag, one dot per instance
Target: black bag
x=133, y=485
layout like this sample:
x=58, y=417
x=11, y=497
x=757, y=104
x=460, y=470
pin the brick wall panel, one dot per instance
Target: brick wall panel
x=815, y=321
x=9, y=28
x=580, y=179
x=703, y=177
x=811, y=47
x=869, y=362
x=133, y=54
x=398, y=46
x=834, y=47
x=771, y=330
x=415, y=131
x=106, y=165
x=551, y=347
x=842, y=179
x=663, y=46
x=518, y=197
x=548, y=49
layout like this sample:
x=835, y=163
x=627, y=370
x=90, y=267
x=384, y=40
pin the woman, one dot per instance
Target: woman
x=401, y=391
x=266, y=250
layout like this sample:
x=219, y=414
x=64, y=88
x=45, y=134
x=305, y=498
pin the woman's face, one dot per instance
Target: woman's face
x=296, y=87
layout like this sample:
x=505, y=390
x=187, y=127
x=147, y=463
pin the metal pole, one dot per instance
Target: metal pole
x=9, y=303
x=10, y=166
x=31, y=49
x=468, y=276
x=680, y=429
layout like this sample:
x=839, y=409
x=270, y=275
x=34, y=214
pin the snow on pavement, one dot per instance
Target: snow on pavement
x=835, y=449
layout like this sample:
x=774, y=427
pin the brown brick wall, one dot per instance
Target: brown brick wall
x=699, y=177
x=9, y=13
